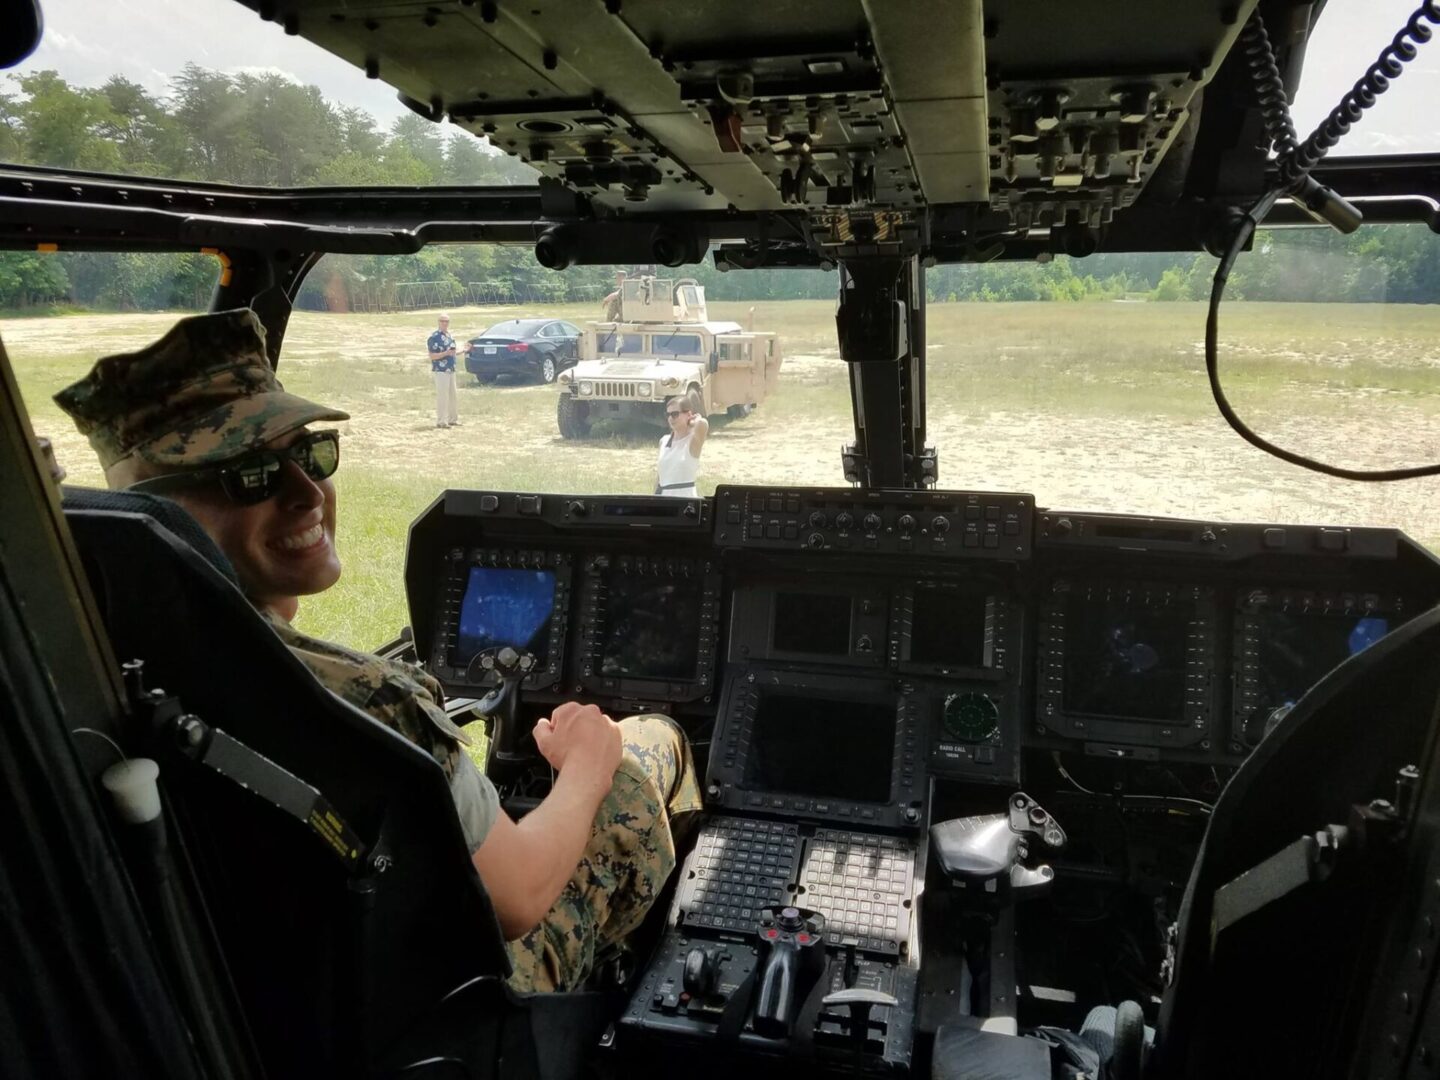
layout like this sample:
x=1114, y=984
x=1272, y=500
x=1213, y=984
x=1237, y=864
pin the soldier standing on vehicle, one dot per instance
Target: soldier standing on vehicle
x=442, y=363
x=679, y=461
x=612, y=302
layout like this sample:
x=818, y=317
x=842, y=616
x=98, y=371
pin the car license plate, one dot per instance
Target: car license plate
x=489, y=350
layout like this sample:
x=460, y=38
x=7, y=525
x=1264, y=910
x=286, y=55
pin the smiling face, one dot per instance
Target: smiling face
x=282, y=548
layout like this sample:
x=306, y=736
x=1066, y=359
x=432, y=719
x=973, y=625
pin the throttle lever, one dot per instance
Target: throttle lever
x=989, y=850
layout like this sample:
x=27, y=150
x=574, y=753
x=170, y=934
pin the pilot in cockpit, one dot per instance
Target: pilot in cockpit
x=200, y=418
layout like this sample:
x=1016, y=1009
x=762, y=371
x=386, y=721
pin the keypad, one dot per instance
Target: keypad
x=862, y=883
x=740, y=868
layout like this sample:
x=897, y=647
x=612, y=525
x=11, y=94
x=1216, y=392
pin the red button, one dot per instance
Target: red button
x=803, y=939
x=772, y=934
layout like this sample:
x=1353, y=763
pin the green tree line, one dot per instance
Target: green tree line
x=264, y=129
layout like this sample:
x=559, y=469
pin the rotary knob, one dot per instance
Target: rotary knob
x=940, y=525
x=844, y=520
x=906, y=523
x=815, y=540
x=818, y=520
x=872, y=522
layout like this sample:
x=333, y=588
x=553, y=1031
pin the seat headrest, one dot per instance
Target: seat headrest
x=169, y=515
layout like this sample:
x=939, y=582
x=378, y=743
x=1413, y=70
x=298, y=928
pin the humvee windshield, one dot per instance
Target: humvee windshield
x=675, y=344
x=614, y=343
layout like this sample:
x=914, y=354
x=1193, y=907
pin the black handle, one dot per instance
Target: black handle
x=775, y=1001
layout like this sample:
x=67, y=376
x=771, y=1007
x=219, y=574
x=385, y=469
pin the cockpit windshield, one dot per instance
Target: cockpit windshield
x=1078, y=379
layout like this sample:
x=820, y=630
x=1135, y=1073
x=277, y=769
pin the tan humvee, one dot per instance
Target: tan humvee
x=663, y=344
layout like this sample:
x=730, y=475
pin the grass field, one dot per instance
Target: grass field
x=1097, y=406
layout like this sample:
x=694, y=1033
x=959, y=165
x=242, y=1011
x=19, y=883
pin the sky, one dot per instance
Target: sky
x=149, y=41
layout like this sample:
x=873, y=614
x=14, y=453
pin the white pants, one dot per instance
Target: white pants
x=447, y=410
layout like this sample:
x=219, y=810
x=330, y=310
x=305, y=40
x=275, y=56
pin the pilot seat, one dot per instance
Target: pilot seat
x=312, y=890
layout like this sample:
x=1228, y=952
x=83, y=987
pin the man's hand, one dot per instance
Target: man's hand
x=525, y=865
x=580, y=737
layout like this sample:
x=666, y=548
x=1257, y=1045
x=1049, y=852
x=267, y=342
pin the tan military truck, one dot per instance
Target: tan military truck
x=664, y=344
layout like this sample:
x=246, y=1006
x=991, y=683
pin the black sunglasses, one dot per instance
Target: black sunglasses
x=254, y=477
x=670, y=414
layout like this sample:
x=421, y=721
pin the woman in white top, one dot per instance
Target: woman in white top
x=679, y=461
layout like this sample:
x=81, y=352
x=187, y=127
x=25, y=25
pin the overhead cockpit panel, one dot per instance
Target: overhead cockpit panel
x=1049, y=113
x=1086, y=101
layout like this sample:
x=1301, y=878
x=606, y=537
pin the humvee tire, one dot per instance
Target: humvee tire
x=573, y=417
x=485, y=380
x=735, y=412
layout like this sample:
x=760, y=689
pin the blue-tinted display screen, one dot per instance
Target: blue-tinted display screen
x=505, y=607
x=1297, y=649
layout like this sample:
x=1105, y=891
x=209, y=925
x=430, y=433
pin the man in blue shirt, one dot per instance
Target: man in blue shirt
x=442, y=363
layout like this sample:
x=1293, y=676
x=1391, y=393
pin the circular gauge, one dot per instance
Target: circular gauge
x=971, y=717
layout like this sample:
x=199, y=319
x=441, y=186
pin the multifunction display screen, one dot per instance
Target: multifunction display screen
x=950, y=629
x=1294, y=651
x=809, y=745
x=816, y=624
x=651, y=629
x=505, y=607
x=1125, y=661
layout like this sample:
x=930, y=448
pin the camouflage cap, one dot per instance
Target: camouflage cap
x=204, y=393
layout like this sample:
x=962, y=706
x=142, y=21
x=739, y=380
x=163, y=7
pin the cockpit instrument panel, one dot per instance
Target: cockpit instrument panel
x=893, y=652
x=949, y=628
x=818, y=746
x=490, y=598
x=931, y=524
x=831, y=622
x=648, y=626
x=1286, y=640
x=1127, y=662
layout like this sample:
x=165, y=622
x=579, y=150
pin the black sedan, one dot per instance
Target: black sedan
x=540, y=347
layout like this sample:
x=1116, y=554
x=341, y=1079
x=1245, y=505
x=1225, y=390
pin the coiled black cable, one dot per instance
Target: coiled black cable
x=1248, y=224
x=1269, y=87
x=1389, y=65
x=1294, y=165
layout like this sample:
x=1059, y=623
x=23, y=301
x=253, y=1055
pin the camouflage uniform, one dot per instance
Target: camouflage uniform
x=627, y=860
x=202, y=394
x=631, y=851
x=206, y=393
